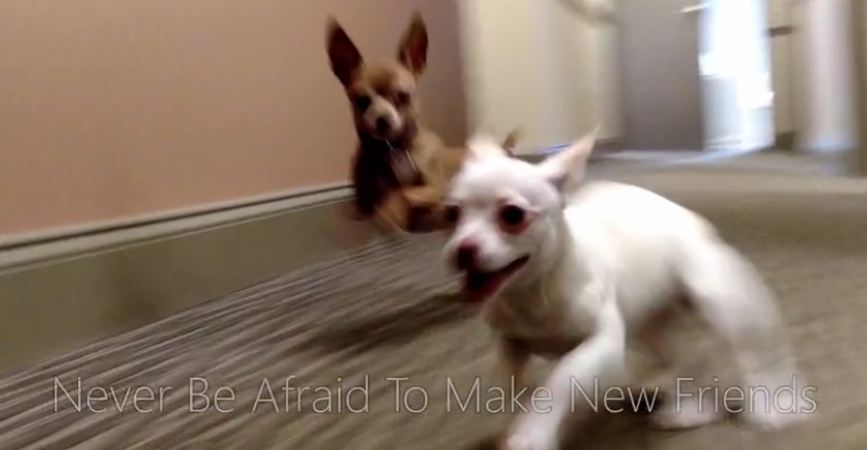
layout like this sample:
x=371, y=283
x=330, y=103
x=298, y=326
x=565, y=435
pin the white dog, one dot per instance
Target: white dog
x=581, y=272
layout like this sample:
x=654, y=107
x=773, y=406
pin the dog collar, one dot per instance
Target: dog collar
x=402, y=165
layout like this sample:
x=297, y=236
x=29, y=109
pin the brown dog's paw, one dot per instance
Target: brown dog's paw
x=420, y=219
x=413, y=210
x=392, y=214
x=424, y=211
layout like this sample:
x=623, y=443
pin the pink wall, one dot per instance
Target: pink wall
x=115, y=109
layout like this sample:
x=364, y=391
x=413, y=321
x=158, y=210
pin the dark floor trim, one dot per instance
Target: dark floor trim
x=785, y=141
x=859, y=13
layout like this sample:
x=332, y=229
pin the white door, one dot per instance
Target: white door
x=661, y=87
x=696, y=74
x=735, y=69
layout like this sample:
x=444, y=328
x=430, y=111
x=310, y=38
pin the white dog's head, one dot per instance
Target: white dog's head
x=506, y=215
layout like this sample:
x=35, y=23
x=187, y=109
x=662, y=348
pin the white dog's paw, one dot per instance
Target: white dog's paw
x=770, y=415
x=773, y=420
x=684, y=414
x=530, y=438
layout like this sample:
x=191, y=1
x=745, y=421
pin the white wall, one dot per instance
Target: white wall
x=862, y=81
x=605, y=80
x=826, y=115
x=780, y=15
x=501, y=83
x=736, y=75
x=540, y=67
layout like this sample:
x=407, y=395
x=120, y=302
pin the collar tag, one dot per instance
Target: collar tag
x=403, y=166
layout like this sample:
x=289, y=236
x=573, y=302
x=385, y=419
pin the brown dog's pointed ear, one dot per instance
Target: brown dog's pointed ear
x=511, y=141
x=344, y=56
x=413, y=48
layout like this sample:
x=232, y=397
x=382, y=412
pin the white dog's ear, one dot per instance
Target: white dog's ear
x=569, y=165
x=483, y=146
x=511, y=141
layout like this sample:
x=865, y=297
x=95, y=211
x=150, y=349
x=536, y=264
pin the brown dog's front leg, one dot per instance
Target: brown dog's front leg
x=392, y=211
x=368, y=185
x=367, y=195
x=425, y=212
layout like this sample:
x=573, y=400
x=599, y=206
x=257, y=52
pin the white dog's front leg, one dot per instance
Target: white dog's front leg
x=513, y=361
x=599, y=359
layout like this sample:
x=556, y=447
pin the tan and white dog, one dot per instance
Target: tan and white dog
x=579, y=272
x=401, y=170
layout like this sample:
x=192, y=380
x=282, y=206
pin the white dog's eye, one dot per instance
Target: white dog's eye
x=512, y=218
x=452, y=214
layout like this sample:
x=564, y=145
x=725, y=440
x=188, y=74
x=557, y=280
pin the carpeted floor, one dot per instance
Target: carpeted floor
x=386, y=311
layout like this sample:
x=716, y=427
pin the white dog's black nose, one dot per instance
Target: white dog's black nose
x=466, y=255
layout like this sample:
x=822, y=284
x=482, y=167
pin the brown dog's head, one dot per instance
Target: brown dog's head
x=382, y=95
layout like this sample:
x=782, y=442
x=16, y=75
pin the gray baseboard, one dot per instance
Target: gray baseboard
x=63, y=293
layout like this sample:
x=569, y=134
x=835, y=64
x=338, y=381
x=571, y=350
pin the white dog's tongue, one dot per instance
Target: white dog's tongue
x=479, y=286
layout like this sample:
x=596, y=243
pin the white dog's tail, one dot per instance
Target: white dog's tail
x=729, y=293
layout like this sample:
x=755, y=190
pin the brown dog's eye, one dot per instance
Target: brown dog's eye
x=361, y=102
x=401, y=99
x=452, y=214
x=513, y=219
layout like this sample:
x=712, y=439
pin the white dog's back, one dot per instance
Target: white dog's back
x=638, y=237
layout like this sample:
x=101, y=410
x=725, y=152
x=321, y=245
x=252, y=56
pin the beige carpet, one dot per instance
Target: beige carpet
x=385, y=311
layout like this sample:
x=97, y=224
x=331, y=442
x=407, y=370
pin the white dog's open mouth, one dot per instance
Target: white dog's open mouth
x=481, y=285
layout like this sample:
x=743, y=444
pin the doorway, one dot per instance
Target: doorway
x=695, y=75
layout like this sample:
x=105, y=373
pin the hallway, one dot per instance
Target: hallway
x=386, y=311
